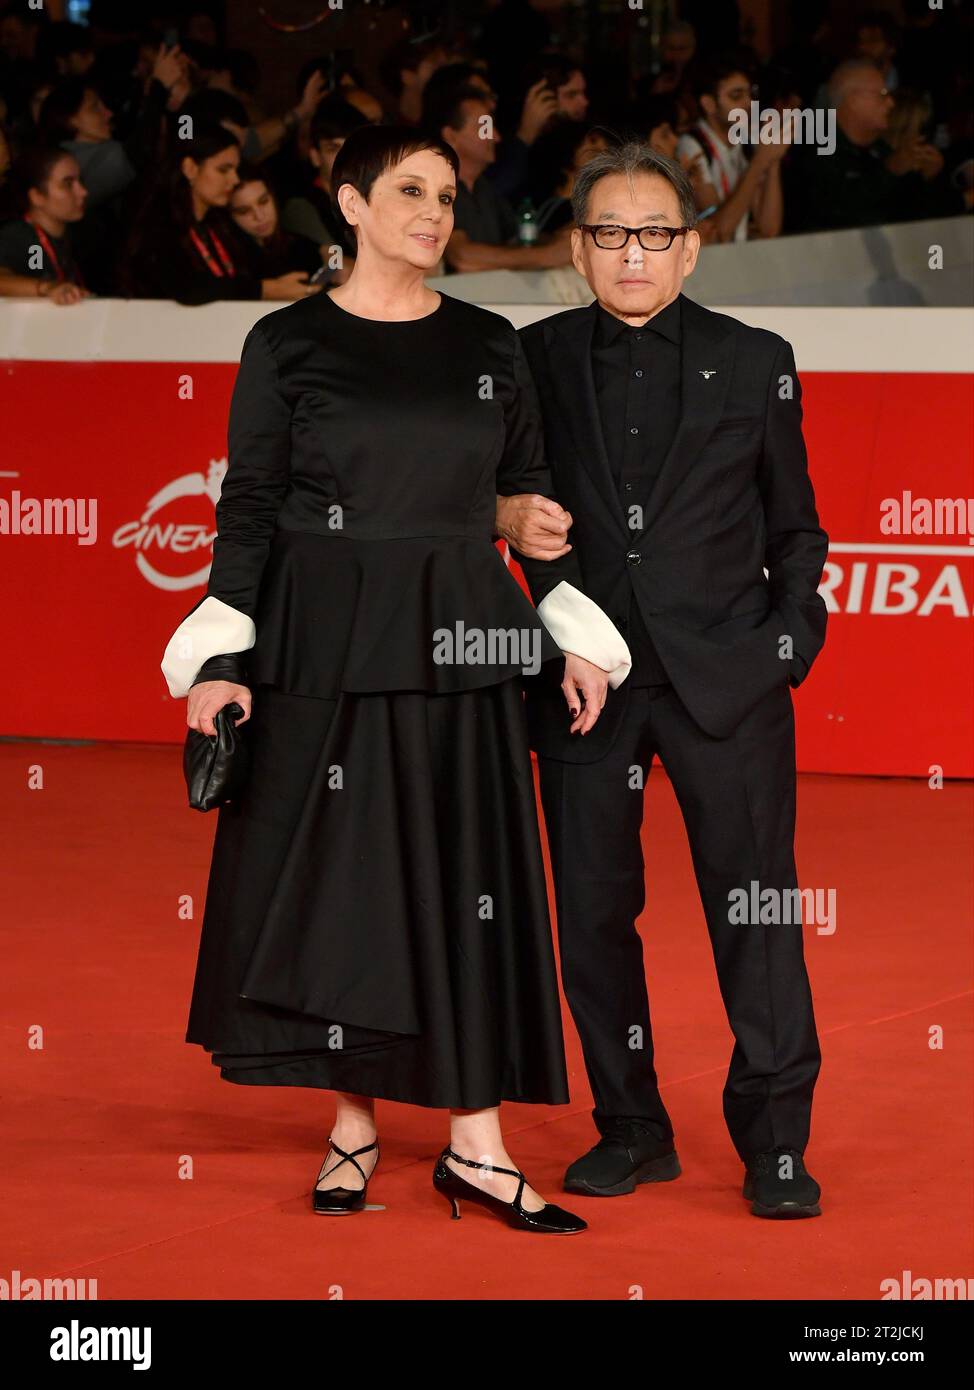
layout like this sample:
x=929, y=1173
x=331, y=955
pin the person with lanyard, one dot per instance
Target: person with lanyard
x=183, y=244
x=36, y=256
x=744, y=194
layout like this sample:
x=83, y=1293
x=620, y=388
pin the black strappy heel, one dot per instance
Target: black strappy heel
x=550, y=1219
x=335, y=1201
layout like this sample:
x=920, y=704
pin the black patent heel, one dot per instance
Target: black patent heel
x=336, y=1201
x=550, y=1220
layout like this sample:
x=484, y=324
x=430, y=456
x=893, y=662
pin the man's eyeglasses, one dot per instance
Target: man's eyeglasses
x=613, y=238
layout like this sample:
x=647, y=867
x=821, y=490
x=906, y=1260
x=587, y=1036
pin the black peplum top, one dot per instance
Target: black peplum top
x=355, y=522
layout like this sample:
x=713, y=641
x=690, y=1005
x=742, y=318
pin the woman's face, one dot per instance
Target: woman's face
x=65, y=194
x=214, y=180
x=92, y=121
x=254, y=210
x=409, y=213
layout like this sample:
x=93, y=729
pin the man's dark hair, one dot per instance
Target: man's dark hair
x=406, y=54
x=446, y=80
x=60, y=105
x=335, y=120
x=449, y=110
x=371, y=150
x=705, y=75
x=630, y=159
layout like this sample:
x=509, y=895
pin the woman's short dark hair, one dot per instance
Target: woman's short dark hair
x=374, y=149
x=630, y=159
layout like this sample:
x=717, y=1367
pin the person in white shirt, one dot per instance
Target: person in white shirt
x=746, y=192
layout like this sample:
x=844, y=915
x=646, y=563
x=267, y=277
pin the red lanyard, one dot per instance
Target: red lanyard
x=51, y=254
x=207, y=256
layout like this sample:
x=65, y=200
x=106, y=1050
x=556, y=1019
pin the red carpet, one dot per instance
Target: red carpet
x=102, y=1121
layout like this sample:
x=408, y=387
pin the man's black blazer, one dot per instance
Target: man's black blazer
x=732, y=498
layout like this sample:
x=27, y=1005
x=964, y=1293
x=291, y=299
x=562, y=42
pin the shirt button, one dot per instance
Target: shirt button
x=633, y=557
x=629, y=487
x=633, y=430
x=638, y=337
x=638, y=371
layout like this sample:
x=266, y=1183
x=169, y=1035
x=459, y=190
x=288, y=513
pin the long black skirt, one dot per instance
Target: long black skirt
x=376, y=918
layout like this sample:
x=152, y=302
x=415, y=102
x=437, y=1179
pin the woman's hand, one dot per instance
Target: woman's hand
x=205, y=700
x=592, y=682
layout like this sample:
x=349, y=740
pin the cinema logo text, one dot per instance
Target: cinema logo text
x=160, y=539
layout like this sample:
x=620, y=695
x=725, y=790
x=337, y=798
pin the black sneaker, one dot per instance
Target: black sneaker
x=781, y=1189
x=629, y=1152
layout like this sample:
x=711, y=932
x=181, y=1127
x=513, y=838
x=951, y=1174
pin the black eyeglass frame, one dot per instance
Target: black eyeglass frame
x=593, y=227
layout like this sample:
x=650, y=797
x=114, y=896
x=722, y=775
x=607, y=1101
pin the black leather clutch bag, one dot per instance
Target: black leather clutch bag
x=216, y=766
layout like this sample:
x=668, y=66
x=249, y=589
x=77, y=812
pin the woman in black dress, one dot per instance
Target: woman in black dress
x=376, y=920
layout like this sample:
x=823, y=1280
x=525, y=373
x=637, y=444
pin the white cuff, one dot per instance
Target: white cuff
x=578, y=625
x=212, y=629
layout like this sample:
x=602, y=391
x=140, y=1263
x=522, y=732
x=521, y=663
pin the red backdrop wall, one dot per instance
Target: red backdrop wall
x=85, y=625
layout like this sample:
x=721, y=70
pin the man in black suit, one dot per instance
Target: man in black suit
x=674, y=440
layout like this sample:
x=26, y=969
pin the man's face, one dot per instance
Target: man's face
x=323, y=157
x=573, y=97
x=733, y=93
x=677, y=48
x=93, y=120
x=867, y=103
x=475, y=138
x=633, y=282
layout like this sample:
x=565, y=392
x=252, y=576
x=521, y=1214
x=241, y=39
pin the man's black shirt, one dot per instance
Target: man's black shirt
x=637, y=384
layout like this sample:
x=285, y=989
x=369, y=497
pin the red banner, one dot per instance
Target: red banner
x=110, y=472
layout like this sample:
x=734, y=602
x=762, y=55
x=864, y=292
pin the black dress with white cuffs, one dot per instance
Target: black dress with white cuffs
x=376, y=917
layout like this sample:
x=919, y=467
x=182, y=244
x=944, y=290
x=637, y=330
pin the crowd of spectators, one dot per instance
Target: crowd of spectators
x=146, y=166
